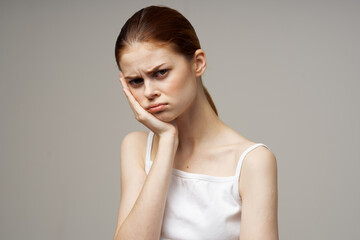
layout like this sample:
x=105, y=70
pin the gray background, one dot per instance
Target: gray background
x=284, y=73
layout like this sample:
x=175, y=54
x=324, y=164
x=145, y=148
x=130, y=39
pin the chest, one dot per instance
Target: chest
x=215, y=162
x=201, y=209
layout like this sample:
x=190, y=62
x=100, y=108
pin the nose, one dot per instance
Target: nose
x=150, y=89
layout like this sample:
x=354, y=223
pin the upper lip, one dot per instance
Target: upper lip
x=155, y=105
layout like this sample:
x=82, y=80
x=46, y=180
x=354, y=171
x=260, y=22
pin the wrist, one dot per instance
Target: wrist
x=169, y=137
x=170, y=133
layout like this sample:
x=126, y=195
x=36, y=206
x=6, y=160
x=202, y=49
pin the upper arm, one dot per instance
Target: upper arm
x=132, y=173
x=259, y=194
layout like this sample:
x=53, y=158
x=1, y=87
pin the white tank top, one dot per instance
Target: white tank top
x=199, y=206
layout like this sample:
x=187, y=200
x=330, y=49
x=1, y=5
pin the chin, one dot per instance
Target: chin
x=165, y=117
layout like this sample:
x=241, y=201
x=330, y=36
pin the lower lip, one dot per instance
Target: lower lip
x=157, y=108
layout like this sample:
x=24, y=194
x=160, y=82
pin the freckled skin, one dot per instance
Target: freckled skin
x=178, y=87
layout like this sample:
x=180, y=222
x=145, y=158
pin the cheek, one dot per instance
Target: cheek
x=174, y=88
x=180, y=85
x=182, y=90
x=137, y=94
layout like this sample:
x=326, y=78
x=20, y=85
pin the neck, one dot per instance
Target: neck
x=198, y=124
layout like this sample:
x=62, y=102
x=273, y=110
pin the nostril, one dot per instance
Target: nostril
x=151, y=92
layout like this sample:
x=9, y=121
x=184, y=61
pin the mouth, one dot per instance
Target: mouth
x=157, y=107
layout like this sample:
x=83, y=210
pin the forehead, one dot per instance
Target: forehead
x=144, y=56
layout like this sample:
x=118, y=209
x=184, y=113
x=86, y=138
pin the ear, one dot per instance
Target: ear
x=199, y=62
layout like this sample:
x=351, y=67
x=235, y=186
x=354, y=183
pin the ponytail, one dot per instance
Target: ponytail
x=208, y=97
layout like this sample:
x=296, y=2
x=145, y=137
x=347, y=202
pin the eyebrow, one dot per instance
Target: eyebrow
x=147, y=71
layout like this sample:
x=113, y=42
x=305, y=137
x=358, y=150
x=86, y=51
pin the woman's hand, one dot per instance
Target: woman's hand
x=150, y=121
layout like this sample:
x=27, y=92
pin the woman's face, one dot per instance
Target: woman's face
x=159, y=75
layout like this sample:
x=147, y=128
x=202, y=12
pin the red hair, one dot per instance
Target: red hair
x=162, y=25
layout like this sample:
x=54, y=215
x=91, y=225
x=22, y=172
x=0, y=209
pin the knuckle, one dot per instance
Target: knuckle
x=141, y=117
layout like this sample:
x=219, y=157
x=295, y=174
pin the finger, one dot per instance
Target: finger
x=122, y=81
x=126, y=90
x=125, y=86
x=133, y=102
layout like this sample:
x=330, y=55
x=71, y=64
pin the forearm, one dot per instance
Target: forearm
x=145, y=219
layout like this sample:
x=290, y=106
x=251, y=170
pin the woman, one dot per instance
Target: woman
x=181, y=180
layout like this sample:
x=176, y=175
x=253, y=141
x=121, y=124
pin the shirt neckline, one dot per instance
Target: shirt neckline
x=184, y=174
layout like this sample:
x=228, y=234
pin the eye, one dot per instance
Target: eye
x=161, y=73
x=136, y=82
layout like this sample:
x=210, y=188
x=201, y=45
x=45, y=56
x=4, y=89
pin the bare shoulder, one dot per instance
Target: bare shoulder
x=244, y=143
x=136, y=135
x=260, y=157
x=259, y=193
x=259, y=166
x=133, y=146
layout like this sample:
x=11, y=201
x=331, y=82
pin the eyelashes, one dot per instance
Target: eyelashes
x=161, y=73
x=158, y=75
x=136, y=82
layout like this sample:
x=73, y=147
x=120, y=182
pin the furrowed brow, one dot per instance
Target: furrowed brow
x=154, y=68
x=149, y=71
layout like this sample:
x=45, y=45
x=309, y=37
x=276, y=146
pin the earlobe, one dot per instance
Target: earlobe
x=200, y=62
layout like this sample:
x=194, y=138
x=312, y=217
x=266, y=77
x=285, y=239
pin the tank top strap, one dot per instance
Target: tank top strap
x=148, y=148
x=238, y=169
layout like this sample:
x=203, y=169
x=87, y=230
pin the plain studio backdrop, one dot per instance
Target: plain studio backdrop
x=283, y=73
